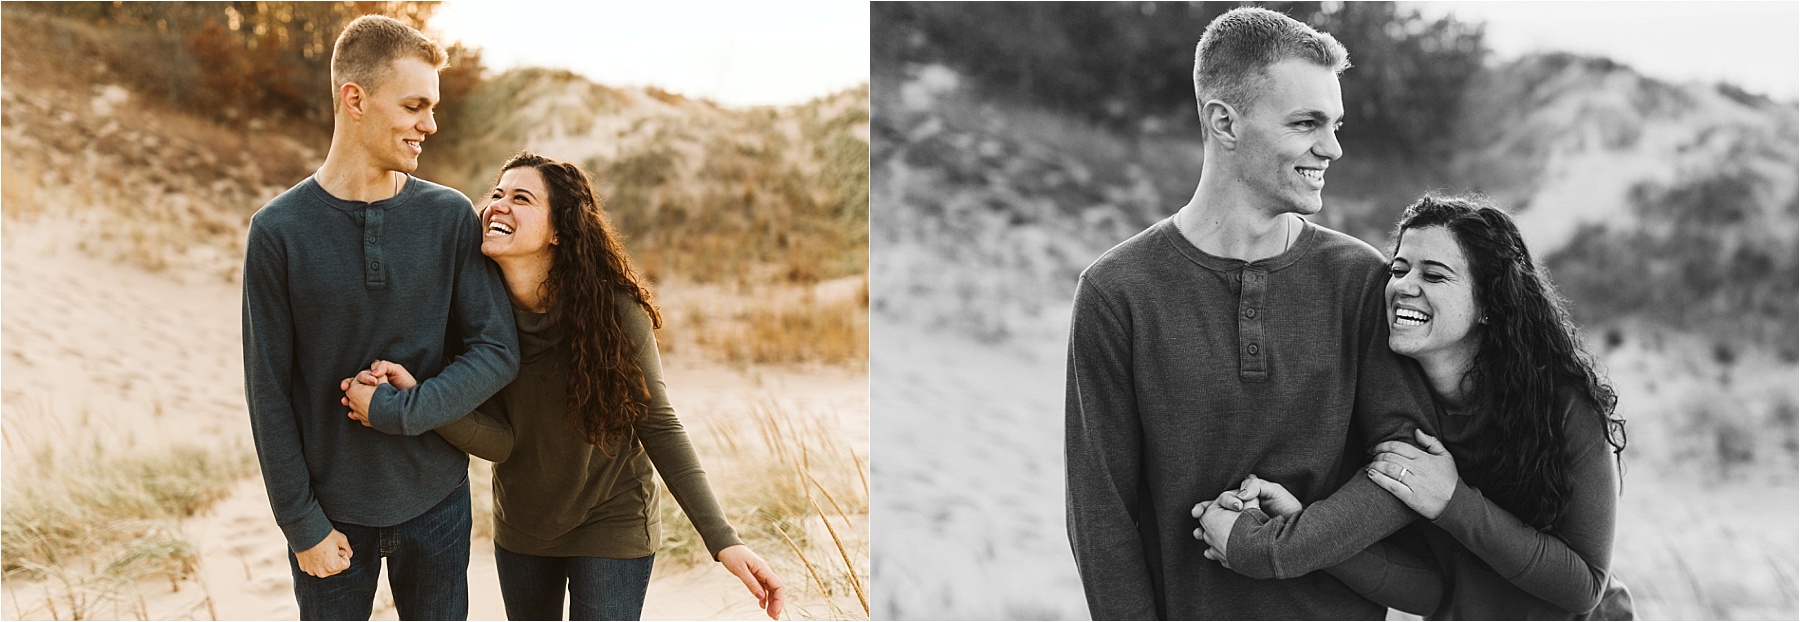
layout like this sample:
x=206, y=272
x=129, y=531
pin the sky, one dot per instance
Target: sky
x=734, y=53
x=1755, y=45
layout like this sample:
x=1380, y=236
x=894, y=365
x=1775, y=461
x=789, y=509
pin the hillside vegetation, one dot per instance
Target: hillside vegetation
x=123, y=108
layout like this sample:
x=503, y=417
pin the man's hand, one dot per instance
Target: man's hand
x=361, y=389
x=326, y=558
x=1274, y=498
x=756, y=575
x=357, y=393
x=1216, y=519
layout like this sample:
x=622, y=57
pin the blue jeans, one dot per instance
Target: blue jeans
x=428, y=568
x=599, y=588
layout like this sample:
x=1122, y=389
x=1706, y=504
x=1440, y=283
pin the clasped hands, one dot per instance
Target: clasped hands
x=358, y=390
x=1421, y=475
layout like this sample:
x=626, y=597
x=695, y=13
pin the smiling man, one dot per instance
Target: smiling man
x=359, y=261
x=1237, y=338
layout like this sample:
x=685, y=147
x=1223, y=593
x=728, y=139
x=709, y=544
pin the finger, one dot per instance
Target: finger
x=1430, y=443
x=1401, y=448
x=1200, y=534
x=777, y=601
x=1394, y=458
x=1199, y=508
x=745, y=575
x=1393, y=486
x=1211, y=554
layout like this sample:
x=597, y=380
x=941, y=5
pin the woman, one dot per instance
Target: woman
x=574, y=438
x=1520, y=492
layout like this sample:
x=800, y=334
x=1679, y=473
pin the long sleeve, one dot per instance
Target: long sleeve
x=490, y=357
x=486, y=433
x=269, y=373
x=1391, y=401
x=1104, y=446
x=666, y=441
x=1566, y=567
x=1398, y=572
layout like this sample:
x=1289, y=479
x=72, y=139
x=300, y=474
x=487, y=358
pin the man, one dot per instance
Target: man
x=1237, y=338
x=357, y=262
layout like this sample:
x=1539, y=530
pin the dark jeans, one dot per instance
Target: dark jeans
x=428, y=568
x=599, y=588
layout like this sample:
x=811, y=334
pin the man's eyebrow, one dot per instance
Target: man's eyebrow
x=1315, y=115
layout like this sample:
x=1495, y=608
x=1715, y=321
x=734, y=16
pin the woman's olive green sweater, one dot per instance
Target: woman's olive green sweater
x=555, y=494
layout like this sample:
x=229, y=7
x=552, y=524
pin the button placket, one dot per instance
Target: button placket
x=374, y=277
x=1253, y=351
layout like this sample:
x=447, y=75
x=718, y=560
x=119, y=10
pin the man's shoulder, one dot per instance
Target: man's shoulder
x=436, y=194
x=1339, y=245
x=287, y=207
x=1343, y=253
x=1130, y=258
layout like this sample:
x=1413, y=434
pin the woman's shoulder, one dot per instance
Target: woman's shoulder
x=1584, y=422
x=631, y=314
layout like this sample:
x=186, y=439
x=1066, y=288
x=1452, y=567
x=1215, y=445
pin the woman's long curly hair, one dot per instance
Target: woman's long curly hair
x=590, y=277
x=1529, y=350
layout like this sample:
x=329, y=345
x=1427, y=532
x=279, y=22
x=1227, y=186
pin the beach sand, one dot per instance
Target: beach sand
x=115, y=358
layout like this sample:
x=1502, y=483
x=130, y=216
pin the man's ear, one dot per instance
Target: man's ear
x=352, y=97
x=1219, y=121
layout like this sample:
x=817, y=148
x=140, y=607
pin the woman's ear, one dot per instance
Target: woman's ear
x=1220, y=122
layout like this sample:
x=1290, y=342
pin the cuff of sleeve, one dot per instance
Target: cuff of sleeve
x=1463, y=508
x=714, y=546
x=385, y=408
x=1249, y=553
x=307, y=532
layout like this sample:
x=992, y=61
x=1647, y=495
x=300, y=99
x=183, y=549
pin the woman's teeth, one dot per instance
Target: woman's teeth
x=1409, y=317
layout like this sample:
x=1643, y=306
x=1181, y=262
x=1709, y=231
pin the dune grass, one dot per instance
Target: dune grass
x=84, y=526
x=798, y=496
x=779, y=326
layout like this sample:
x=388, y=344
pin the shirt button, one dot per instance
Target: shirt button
x=375, y=265
x=1253, y=349
x=1250, y=313
x=371, y=239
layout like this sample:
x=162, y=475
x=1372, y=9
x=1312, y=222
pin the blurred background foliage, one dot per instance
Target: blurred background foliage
x=707, y=192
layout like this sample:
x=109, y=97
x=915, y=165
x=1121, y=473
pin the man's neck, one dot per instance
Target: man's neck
x=350, y=176
x=1224, y=223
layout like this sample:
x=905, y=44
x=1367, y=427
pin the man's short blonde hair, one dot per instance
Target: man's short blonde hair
x=1232, y=60
x=367, y=48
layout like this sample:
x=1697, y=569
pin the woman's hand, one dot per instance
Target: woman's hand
x=756, y=575
x=1422, y=477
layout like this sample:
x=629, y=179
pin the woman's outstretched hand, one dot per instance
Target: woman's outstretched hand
x=756, y=575
x=1422, y=477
